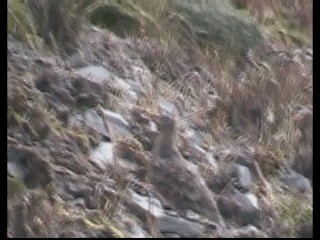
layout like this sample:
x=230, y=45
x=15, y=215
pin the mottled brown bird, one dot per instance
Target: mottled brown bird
x=177, y=180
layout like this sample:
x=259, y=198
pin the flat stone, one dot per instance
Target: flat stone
x=236, y=205
x=253, y=199
x=180, y=227
x=102, y=154
x=116, y=124
x=296, y=181
x=97, y=74
x=211, y=160
x=243, y=175
x=248, y=232
x=151, y=205
x=167, y=107
x=16, y=170
x=91, y=119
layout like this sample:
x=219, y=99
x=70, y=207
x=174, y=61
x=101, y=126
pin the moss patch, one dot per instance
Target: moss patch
x=15, y=187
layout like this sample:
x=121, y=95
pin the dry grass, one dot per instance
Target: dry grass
x=58, y=23
x=290, y=210
x=260, y=108
x=292, y=19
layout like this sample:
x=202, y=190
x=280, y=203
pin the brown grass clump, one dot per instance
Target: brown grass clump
x=270, y=9
x=131, y=149
x=82, y=140
x=164, y=58
x=57, y=24
x=32, y=215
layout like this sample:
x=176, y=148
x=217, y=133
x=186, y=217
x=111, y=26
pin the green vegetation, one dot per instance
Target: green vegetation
x=293, y=211
x=15, y=186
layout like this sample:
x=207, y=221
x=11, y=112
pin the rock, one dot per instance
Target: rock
x=180, y=227
x=150, y=205
x=235, y=205
x=96, y=74
x=115, y=123
x=30, y=165
x=80, y=189
x=131, y=89
x=170, y=235
x=243, y=232
x=249, y=232
x=167, y=107
x=211, y=160
x=303, y=163
x=51, y=82
x=253, y=199
x=131, y=227
x=194, y=136
x=305, y=231
x=247, y=162
x=102, y=154
x=89, y=85
x=92, y=119
x=88, y=99
x=297, y=182
x=243, y=175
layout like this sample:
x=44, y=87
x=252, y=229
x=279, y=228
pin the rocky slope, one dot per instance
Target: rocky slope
x=81, y=128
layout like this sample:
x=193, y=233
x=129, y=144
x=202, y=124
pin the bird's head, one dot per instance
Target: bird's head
x=166, y=123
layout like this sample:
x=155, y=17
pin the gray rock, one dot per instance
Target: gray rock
x=30, y=165
x=88, y=99
x=151, y=205
x=170, y=235
x=252, y=198
x=97, y=74
x=102, y=154
x=168, y=225
x=249, y=232
x=115, y=124
x=180, y=227
x=247, y=161
x=167, y=107
x=91, y=119
x=297, y=181
x=236, y=205
x=303, y=163
x=211, y=160
x=243, y=175
x=194, y=136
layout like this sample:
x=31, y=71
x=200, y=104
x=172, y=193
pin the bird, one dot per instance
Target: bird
x=177, y=180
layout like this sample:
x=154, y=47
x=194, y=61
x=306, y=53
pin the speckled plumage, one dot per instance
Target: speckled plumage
x=177, y=180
